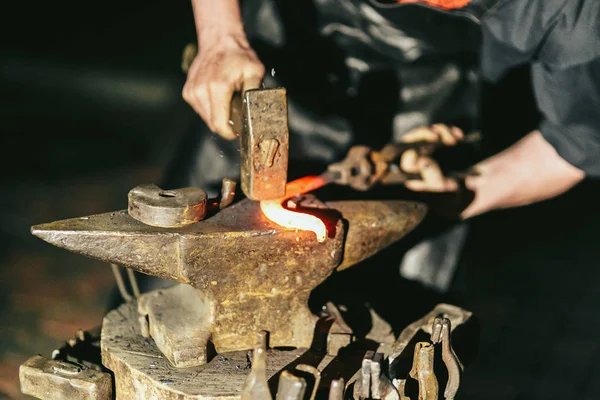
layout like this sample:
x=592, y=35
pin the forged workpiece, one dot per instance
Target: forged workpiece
x=252, y=274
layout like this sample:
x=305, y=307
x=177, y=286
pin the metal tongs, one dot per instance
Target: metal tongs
x=363, y=167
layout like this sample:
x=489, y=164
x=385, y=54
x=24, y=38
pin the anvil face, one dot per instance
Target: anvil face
x=254, y=274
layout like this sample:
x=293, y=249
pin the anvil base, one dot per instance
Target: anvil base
x=141, y=370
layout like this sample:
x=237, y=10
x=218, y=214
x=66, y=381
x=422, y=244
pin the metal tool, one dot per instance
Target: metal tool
x=422, y=371
x=316, y=376
x=336, y=389
x=260, y=118
x=373, y=382
x=432, y=325
x=68, y=380
x=441, y=334
x=363, y=168
x=256, y=386
x=291, y=387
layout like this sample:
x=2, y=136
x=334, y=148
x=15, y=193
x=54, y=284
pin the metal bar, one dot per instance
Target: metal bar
x=133, y=283
x=120, y=283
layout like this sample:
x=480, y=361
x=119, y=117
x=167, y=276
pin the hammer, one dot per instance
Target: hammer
x=260, y=118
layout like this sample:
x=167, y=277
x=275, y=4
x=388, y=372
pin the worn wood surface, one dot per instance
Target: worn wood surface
x=142, y=372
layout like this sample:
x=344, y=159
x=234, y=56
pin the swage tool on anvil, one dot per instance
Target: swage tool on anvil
x=238, y=274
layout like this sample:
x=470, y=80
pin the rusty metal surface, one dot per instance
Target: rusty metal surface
x=227, y=193
x=167, y=208
x=51, y=379
x=255, y=274
x=422, y=371
x=264, y=144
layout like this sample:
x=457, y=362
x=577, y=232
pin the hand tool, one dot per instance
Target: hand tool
x=422, y=371
x=441, y=334
x=336, y=389
x=256, y=386
x=260, y=118
x=291, y=387
x=362, y=168
x=373, y=383
x=316, y=376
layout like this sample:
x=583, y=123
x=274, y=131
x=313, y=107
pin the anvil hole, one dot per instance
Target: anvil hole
x=167, y=194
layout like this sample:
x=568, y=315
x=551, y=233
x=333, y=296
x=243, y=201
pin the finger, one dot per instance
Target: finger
x=409, y=160
x=433, y=177
x=417, y=186
x=457, y=133
x=220, y=100
x=190, y=98
x=253, y=77
x=201, y=103
x=445, y=134
x=421, y=186
x=422, y=133
x=252, y=83
x=431, y=173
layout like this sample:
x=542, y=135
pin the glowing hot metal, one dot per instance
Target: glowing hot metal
x=275, y=212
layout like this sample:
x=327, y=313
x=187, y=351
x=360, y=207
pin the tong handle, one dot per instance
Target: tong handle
x=363, y=168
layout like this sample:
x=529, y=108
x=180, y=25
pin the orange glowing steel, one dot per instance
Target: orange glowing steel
x=274, y=211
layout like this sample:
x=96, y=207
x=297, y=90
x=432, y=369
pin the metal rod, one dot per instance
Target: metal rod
x=133, y=282
x=120, y=283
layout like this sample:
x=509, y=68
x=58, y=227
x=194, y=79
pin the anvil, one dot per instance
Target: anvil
x=249, y=273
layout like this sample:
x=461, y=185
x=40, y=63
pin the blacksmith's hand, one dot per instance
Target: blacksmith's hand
x=432, y=178
x=224, y=65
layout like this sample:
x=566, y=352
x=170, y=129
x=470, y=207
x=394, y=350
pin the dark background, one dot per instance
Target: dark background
x=90, y=106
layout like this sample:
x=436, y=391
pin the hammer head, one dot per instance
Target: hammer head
x=264, y=145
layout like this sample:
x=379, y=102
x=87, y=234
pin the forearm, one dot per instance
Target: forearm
x=527, y=172
x=216, y=18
